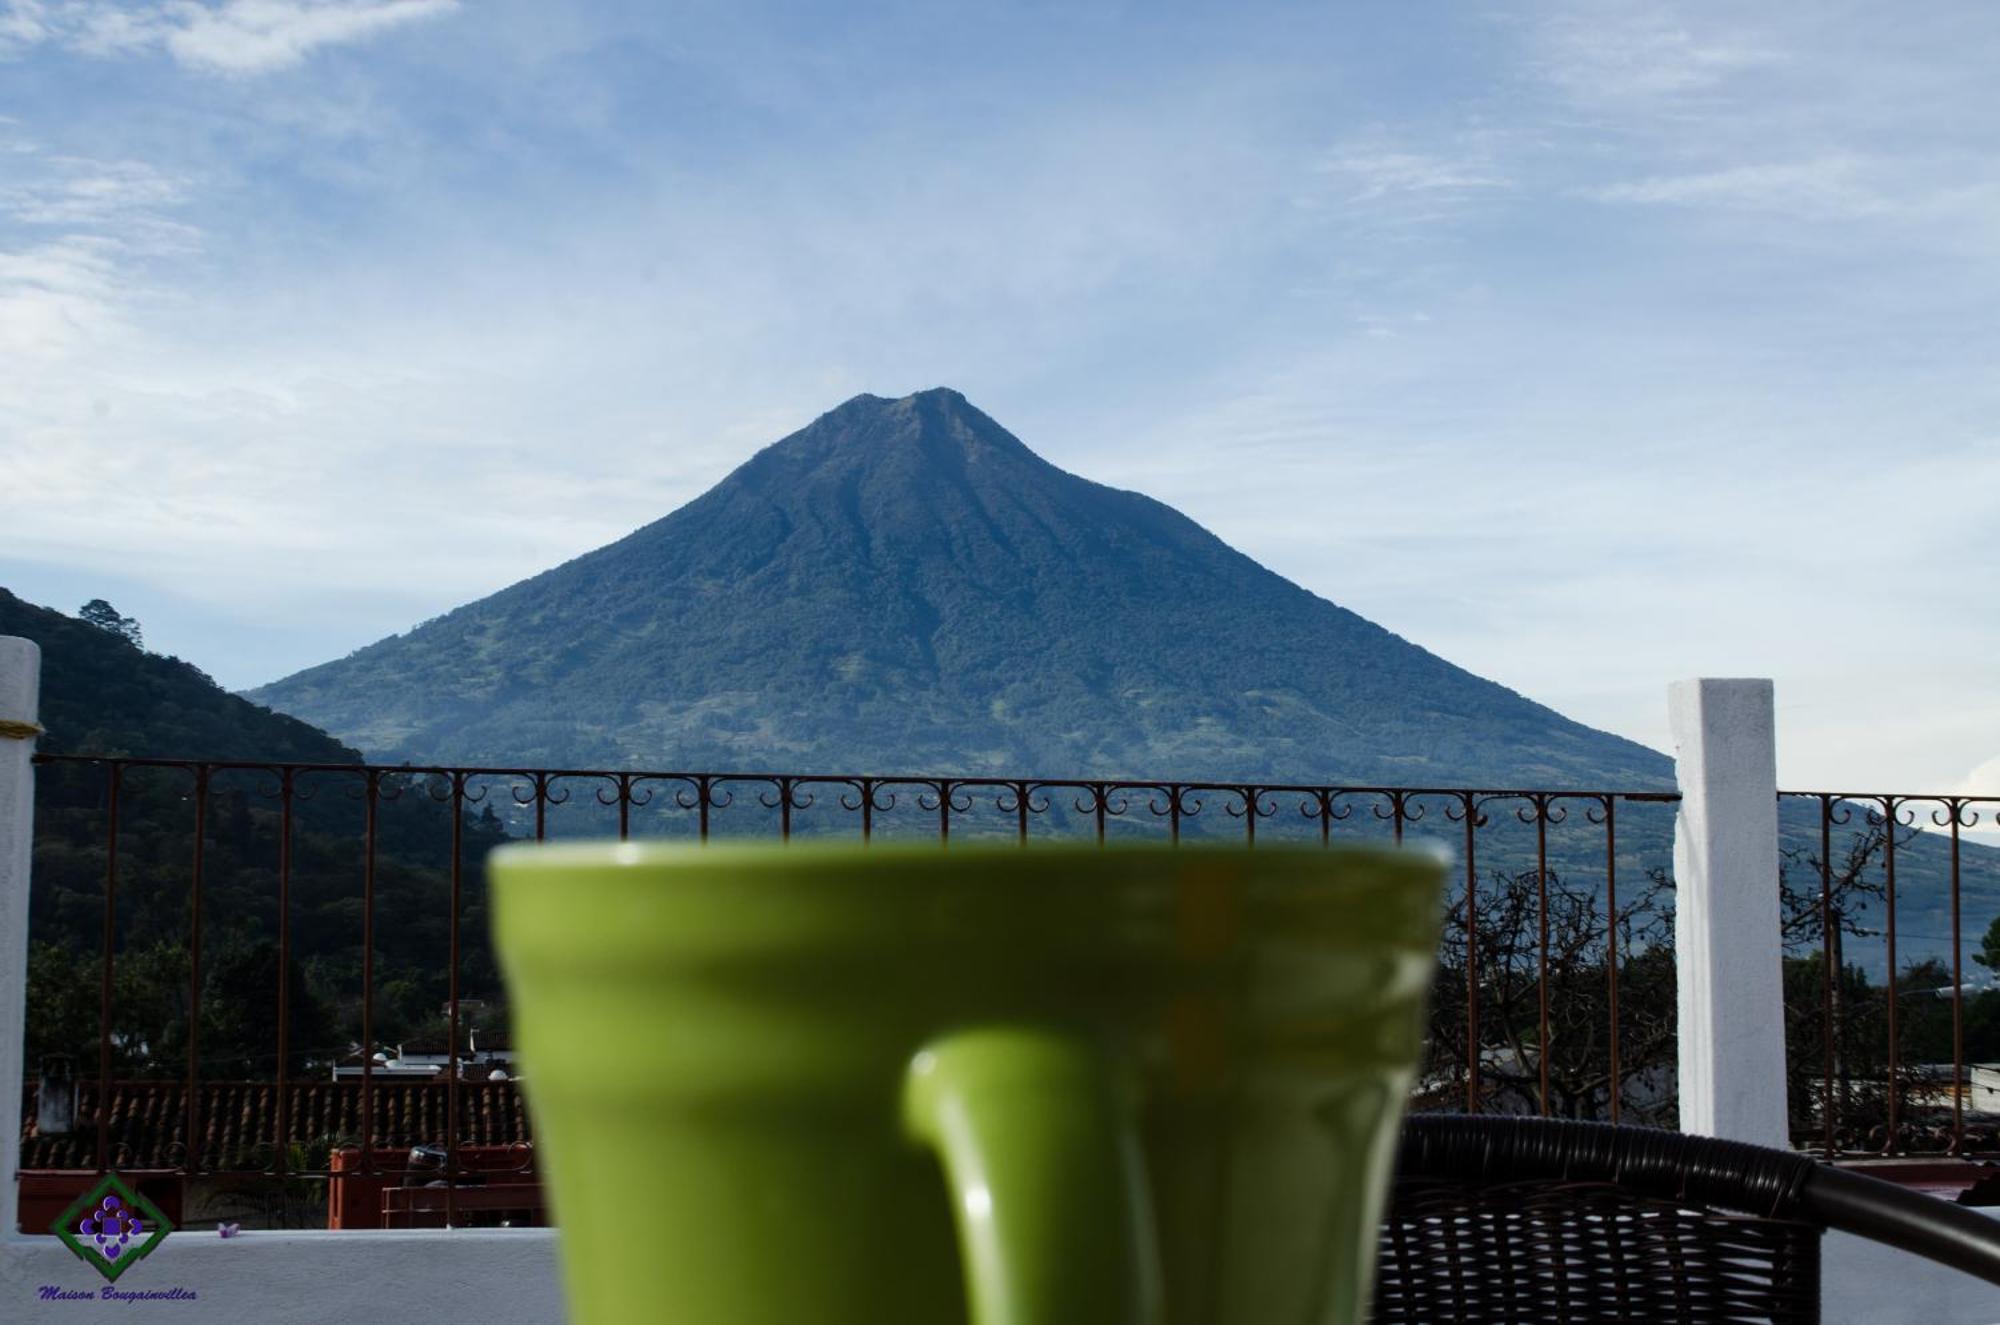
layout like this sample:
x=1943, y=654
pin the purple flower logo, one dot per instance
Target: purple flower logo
x=111, y=1227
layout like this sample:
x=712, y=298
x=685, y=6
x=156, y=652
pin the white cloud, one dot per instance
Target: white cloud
x=1381, y=173
x=1945, y=206
x=1382, y=186
x=1828, y=187
x=79, y=234
x=107, y=31
x=1814, y=116
x=250, y=36
x=57, y=296
x=233, y=37
x=23, y=23
x=1624, y=52
x=67, y=190
x=1983, y=781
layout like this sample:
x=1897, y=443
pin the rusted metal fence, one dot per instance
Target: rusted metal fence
x=1546, y=865
x=1880, y=1058
x=1555, y=991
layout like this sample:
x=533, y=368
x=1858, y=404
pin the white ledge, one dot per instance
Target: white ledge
x=311, y=1275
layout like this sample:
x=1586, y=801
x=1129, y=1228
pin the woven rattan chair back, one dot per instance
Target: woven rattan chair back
x=1531, y=1221
x=1551, y=1252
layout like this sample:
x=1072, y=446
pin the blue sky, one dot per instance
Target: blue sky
x=1590, y=345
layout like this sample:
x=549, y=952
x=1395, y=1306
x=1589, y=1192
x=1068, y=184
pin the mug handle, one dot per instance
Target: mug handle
x=1047, y=1183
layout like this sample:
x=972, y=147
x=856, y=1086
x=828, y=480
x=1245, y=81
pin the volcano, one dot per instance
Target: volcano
x=904, y=586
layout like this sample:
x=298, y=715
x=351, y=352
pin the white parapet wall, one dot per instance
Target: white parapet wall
x=1726, y=916
x=510, y=1278
x=20, y=691
x=498, y=1277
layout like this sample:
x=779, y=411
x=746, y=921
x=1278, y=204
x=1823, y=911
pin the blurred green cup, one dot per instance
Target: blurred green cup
x=1065, y=1085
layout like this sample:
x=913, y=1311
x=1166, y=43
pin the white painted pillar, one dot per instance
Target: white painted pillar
x=1726, y=925
x=20, y=686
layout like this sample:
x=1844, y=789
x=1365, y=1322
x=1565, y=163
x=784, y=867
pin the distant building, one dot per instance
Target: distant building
x=491, y=1051
x=486, y=1052
x=1977, y=1089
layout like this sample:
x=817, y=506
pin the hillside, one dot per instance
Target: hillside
x=101, y=695
x=903, y=584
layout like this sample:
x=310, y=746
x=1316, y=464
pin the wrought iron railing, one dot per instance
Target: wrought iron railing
x=1846, y=881
x=1555, y=991
x=1552, y=877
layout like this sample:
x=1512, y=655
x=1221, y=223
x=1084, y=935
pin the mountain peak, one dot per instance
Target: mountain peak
x=940, y=395
x=938, y=425
x=902, y=583
x=936, y=405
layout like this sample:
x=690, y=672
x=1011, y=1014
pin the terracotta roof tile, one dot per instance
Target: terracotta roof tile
x=239, y=1121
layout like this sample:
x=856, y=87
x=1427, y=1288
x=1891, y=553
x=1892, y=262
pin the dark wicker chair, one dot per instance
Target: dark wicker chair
x=1531, y=1221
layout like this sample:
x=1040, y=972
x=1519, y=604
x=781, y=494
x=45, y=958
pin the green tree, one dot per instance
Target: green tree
x=148, y=1008
x=1989, y=947
x=105, y=617
x=239, y=1014
x=149, y=1011
x=1506, y=948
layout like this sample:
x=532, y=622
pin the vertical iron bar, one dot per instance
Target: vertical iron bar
x=199, y=867
x=624, y=806
x=1021, y=810
x=1174, y=811
x=701, y=791
x=1889, y=804
x=115, y=777
x=1611, y=940
x=1542, y=957
x=1396, y=801
x=372, y=789
x=784, y=809
x=1957, y=999
x=1830, y=976
x=451, y=1053
x=541, y=807
x=1471, y=955
x=1098, y=796
x=1250, y=816
x=286, y=788
x=867, y=810
x=1325, y=819
x=944, y=811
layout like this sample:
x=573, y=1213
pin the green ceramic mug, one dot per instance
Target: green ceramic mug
x=781, y=1085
